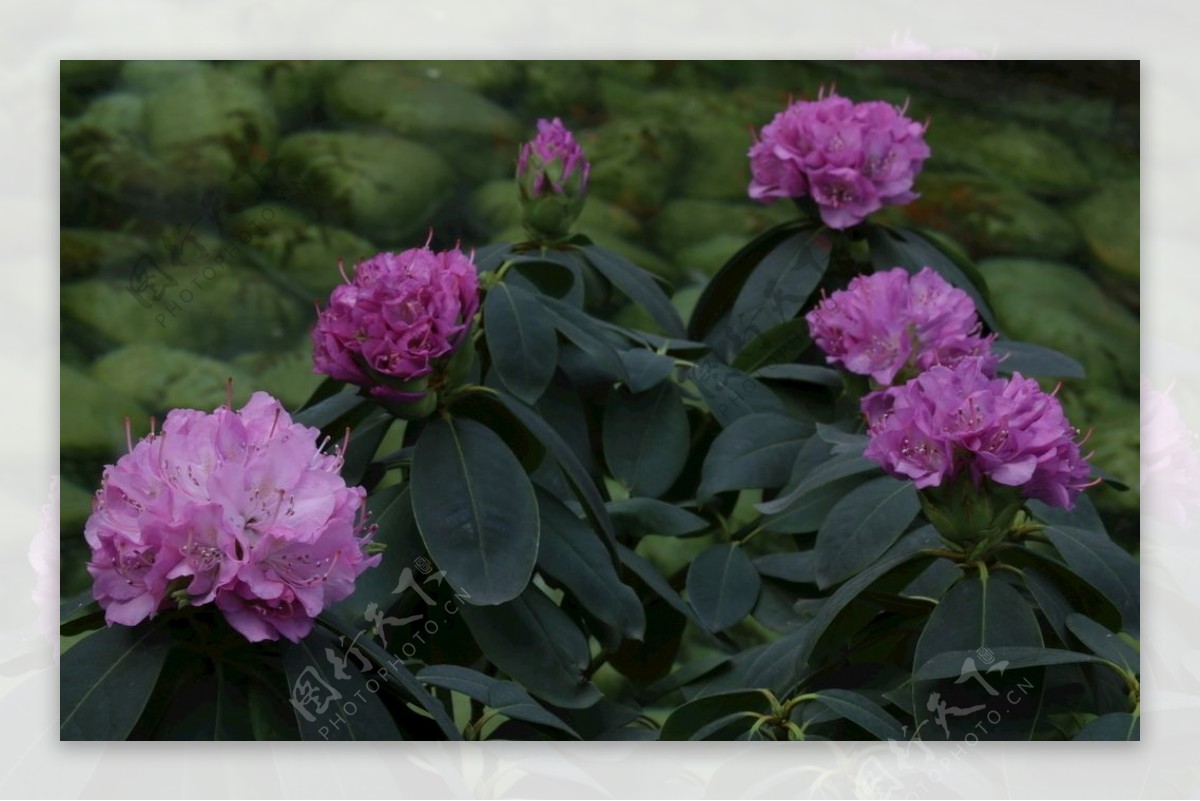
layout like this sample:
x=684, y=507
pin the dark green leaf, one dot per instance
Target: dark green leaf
x=571, y=553
x=588, y=335
x=646, y=438
x=78, y=614
x=774, y=666
x=1113, y=726
x=978, y=613
x=730, y=393
x=1104, y=565
x=843, y=442
x=780, y=284
x=722, y=586
x=1034, y=361
x=754, y=451
x=801, y=373
x=949, y=664
x=326, y=411
x=900, y=247
x=642, y=568
x=646, y=368
x=863, y=712
x=775, y=346
x=647, y=517
x=796, y=566
x=807, y=512
x=475, y=509
x=365, y=435
x=862, y=526
x=506, y=697
x=106, y=679
x=1104, y=643
x=686, y=721
x=537, y=645
x=334, y=701
x=638, y=286
x=391, y=511
x=213, y=707
x=834, y=469
x=713, y=302
x=557, y=273
x=1049, y=599
x=521, y=340
x=576, y=473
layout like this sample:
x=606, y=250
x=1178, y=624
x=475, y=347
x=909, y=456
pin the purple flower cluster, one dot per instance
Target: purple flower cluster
x=850, y=158
x=954, y=419
x=237, y=508
x=400, y=314
x=889, y=322
x=553, y=158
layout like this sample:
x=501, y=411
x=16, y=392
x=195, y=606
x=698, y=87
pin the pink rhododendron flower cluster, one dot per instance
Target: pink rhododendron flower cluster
x=850, y=158
x=953, y=419
x=240, y=509
x=400, y=314
x=552, y=159
x=889, y=322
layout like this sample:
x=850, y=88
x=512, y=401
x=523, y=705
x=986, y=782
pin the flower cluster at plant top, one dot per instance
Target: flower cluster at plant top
x=850, y=158
x=953, y=419
x=237, y=508
x=398, y=316
x=889, y=322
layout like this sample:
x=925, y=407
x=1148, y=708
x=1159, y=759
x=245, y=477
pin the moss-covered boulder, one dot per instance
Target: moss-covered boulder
x=1110, y=222
x=288, y=375
x=684, y=224
x=163, y=378
x=85, y=252
x=634, y=163
x=92, y=415
x=494, y=207
x=376, y=185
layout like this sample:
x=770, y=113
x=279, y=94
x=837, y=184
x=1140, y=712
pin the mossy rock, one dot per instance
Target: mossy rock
x=299, y=248
x=566, y=89
x=92, y=415
x=163, y=378
x=288, y=375
x=79, y=75
x=1115, y=442
x=686, y=223
x=477, y=137
x=147, y=76
x=634, y=163
x=211, y=301
x=1067, y=312
x=705, y=258
x=495, y=79
x=85, y=252
x=74, y=507
x=989, y=217
x=1111, y=224
x=293, y=87
x=205, y=127
x=495, y=206
x=376, y=185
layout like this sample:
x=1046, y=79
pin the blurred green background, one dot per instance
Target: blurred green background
x=204, y=207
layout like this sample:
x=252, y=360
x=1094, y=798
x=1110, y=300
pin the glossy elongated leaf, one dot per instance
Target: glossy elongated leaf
x=949, y=664
x=861, y=711
x=835, y=468
x=796, y=566
x=713, y=302
x=557, y=273
x=571, y=553
x=537, y=645
x=775, y=666
x=691, y=718
x=370, y=425
x=1113, y=726
x=397, y=673
x=862, y=526
x=506, y=697
x=754, y=451
x=588, y=335
x=638, y=285
x=1050, y=600
x=646, y=368
x=573, y=469
x=722, y=586
x=1034, y=361
x=978, y=613
x=333, y=702
x=211, y=706
x=396, y=529
x=648, y=517
x=1104, y=643
x=646, y=439
x=521, y=340
x=642, y=568
x=802, y=374
x=106, y=679
x=475, y=509
x=78, y=614
x=1103, y=564
x=915, y=250
x=808, y=512
x=779, y=344
x=780, y=284
x=730, y=393
x=325, y=411
x=843, y=442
